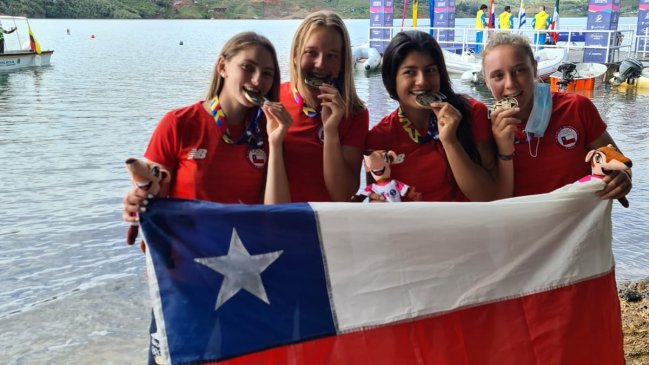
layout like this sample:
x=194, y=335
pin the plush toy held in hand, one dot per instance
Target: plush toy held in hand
x=604, y=160
x=377, y=163
x=148, y=177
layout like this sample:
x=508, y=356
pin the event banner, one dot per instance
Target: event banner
x=443, y=17
x=602, y=15
x=643, y=26
x=381, y=15
x=526, y=280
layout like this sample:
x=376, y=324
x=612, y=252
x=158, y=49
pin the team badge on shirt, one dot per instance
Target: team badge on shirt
x=567, y=137
x=257, y=157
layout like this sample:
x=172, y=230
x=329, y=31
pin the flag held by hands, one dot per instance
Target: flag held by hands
x=519, y=281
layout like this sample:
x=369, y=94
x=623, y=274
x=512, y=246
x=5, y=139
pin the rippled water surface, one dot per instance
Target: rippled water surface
x=71, y=292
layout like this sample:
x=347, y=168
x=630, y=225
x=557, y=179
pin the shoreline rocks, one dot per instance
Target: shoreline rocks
x=634, y=305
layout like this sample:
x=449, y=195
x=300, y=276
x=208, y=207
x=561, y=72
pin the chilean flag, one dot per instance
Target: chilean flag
x=527, y=280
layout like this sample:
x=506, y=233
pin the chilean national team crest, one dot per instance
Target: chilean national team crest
x=257, y=157
x=567, y=137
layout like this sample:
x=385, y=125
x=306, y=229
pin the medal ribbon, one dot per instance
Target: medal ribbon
x=253, y=133
x=307, y=110
x=413, y=133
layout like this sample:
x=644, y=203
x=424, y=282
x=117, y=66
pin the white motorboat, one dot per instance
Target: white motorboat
x=21, y=48
x=366, y=58
x=461, y=63
x=548, y=61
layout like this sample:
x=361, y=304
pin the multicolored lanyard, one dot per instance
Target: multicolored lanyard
x=413, y=133
x=307, y=110
x=253, y=131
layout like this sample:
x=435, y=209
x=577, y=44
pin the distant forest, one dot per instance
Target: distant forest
x=260, y=9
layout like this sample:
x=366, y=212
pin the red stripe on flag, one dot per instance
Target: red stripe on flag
x=492, y=16
x=576, y=324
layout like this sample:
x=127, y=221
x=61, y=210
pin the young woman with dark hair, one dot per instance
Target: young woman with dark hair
x=445, y=147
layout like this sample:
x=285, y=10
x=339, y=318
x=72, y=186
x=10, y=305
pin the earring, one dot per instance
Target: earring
x=223, y=74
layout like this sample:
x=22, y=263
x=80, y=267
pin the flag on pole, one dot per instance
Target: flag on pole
x=403, y=15
x=555, y=22
x=415, y=6
x=492, y=16
x=527, y=280
x=521, y=16
x=33, y=43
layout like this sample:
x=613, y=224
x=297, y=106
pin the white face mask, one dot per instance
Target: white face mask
x=541, y=112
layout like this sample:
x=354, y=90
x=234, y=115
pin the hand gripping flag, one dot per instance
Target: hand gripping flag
x=526, y=280
x=33, y=43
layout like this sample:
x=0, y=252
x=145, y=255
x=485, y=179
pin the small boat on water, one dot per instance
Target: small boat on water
x=578, y=76
x=548, y=61
x=461, y=63
x=631, y=74
x=641, y=82
x=21, y=48
x=366, y=58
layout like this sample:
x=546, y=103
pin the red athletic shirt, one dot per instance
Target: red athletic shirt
x=188, y=141
x=303, y=148
x=424, y=166
x=560, y=156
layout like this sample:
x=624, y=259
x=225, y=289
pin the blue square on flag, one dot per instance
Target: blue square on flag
x=234, y=279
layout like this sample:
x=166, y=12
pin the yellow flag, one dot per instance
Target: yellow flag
x=33, y=43
x=415, y=5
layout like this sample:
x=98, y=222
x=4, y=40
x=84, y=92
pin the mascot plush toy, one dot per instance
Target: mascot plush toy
x=377, y=163
x=604, y=160
x=148, y=177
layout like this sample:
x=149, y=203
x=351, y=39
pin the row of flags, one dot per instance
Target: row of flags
x=492, y=16
x=521, y=18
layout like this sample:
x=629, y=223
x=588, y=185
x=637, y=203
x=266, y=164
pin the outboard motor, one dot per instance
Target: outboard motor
x=630, y=70
x=568, y=71
x=478, y=78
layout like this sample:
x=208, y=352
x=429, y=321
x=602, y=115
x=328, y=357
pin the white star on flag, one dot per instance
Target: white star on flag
x=240, y=270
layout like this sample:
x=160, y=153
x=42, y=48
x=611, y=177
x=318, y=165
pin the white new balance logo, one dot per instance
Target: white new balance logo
x=197, y=154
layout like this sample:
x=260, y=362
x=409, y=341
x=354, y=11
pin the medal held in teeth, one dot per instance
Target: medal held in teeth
x=255, y=98
x=424, y=100
x=504, y=103
x=315, y=82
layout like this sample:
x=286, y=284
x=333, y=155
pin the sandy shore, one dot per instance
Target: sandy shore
x=634, y=302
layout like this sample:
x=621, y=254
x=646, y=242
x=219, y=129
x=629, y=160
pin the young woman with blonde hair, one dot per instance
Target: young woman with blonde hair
x=550, y=133
x=323, y=147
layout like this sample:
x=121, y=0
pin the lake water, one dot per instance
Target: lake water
x=71, y=291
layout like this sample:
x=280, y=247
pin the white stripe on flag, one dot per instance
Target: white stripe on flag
x=392, y=262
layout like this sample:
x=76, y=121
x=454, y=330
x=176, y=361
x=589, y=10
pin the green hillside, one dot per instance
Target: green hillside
x=258, y=9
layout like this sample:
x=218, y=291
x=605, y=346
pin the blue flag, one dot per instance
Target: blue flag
x=252, y=277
